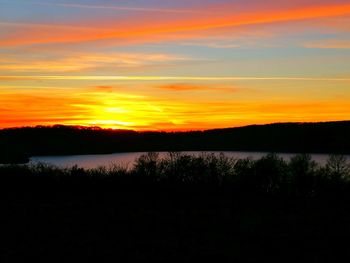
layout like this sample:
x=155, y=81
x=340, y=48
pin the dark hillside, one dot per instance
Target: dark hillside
x=20, y=143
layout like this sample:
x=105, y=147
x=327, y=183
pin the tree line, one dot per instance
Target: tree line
x=19, y=144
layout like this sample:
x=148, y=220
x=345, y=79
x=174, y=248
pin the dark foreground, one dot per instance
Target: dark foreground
x=178, y=210
x=19, y=144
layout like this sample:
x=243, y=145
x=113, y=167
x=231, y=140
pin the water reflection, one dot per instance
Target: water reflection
x=127, y=159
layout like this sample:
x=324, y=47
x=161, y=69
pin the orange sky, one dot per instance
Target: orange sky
x=165, y=65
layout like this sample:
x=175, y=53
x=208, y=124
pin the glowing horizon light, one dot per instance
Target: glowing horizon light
x=173, y=65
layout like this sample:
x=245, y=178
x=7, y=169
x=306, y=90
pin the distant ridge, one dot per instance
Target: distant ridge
x=322, y=137
x=82, y=127
x=346, y=122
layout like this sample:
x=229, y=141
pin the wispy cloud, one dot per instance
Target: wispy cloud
x=213, y=44
x=328, y=44
x=217, y=88
x=105, y=7
x=104, y=89
x=167, y=78
x=79, y=62
x=144, y=29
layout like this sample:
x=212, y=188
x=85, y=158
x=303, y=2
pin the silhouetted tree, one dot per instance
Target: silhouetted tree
x=302, y=174
x=271, y=173
x=337, y=167
x=147, y=164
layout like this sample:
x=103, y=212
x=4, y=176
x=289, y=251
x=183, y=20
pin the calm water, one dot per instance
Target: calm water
x=127, y=159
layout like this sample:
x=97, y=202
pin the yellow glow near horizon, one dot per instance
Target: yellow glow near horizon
x=174, y=65
x=169, y=107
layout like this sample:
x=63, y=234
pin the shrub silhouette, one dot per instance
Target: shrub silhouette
x=147, y=164
x=270, y=173
x=302, y=175
x=337, y=167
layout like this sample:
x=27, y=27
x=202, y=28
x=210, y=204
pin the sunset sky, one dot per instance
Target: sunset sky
x=173, y=65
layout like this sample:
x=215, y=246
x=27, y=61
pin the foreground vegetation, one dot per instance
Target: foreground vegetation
x=179, y=208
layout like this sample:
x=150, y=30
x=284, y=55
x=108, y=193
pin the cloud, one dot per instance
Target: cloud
x=168, y=78
x=183, y=87
x=105, y=89
x=82, y=62
x=161, y=27
x=192, y=87
x=107, y=7
x=328, y=44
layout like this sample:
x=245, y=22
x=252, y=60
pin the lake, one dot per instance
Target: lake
x=127, y=159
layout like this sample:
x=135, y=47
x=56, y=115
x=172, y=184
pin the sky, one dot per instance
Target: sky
x=173, y=65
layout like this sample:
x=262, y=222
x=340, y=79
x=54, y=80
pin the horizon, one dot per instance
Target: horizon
x=192, y=65
x=165, y=131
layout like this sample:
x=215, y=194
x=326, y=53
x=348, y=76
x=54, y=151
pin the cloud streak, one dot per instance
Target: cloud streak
x=143, y=29
x=107, y=7
x=168, y=78
x=329, y=44
x=80, y=62
x=216, y=88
